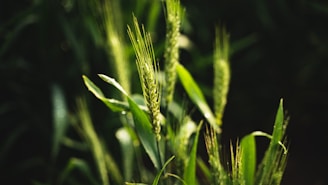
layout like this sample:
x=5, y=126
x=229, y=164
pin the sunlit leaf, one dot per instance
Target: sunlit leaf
x=142, y=124
x=196, y=95
x=113, y=82
x=114, y=105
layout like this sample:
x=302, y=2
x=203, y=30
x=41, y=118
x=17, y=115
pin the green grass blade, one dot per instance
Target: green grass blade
x=93, y=140
x=92, y=87
x=113, y=82
x=142, y=124
x=145, y=132
x=190, y=170
x=204, y=168
x=274, y=161
x=196, y=95
x=278, y=130
x=159, y=174
x=114, y=105
x=248, y=159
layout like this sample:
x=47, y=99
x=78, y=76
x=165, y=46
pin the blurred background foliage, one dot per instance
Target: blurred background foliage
x=279, y=50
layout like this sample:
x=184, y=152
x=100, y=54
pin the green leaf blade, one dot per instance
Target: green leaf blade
x=158, y=176
x=190, y=170
x=196, y=96
x=93, y=88
x=114, y=105
x=248, y=159
x=144, y=130
x=278, y=130
x=275, y=158
x=142, y=124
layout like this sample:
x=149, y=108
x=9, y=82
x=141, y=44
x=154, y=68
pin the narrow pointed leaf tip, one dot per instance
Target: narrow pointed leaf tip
x=92, y=87
x=278, y=125
x=113, y=82
x=113, y=104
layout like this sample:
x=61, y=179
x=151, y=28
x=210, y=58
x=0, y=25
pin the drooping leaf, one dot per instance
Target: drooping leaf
x=196, y=95
x=114, y=105
x=113, y=82
x=142, y=124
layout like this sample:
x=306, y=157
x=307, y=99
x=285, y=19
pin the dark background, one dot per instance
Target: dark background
x=279, y=49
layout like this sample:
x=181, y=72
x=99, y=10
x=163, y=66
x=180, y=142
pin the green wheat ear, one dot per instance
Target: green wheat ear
x=218, y=174
x=221, y=73
x=171, y=55
x=147, y=69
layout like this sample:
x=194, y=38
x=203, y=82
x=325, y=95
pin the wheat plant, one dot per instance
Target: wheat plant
x=170, y=138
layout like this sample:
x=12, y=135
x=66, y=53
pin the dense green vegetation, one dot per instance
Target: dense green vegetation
x=52, y=127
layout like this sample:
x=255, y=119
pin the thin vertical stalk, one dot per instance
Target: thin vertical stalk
x=93, y=141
